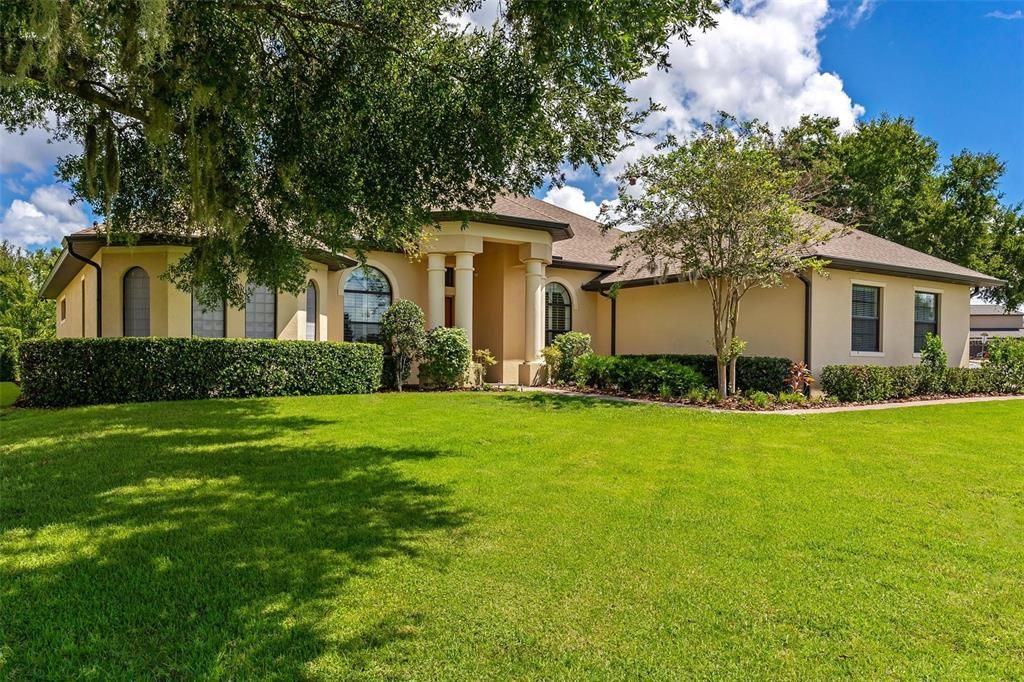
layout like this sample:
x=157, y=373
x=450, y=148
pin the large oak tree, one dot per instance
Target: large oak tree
x=269, y=127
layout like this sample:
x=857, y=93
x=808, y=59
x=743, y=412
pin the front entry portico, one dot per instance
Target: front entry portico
x=498, y=294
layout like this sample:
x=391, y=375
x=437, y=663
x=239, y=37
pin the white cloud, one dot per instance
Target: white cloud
x=864, y=9
x=42, y=220
x=1007, y=16
x=32, y=152
x=761, y=61
x=572, y=199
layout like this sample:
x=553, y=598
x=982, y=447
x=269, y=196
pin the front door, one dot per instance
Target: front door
x=449, y=311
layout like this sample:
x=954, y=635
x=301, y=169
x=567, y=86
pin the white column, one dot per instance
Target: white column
x=534, y=309
x=435, y=290
x=464, y=293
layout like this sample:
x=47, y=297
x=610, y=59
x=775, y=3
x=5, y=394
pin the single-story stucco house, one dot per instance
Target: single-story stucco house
x=525, y=272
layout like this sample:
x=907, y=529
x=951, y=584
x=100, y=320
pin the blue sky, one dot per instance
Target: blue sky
x=957, y=68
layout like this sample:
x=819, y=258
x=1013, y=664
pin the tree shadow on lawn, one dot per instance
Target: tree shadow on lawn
x=158, y=550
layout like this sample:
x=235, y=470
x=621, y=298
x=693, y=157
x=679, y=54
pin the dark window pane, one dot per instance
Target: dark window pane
x=136, y=303
x=311, y=312
x=865, y=323
x=926, y=317
x=260, y=313
x=207, y=323
x=367, y=297
x=557, y=311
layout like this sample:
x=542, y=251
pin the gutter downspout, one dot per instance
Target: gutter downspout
x=99, y=286
x=807, y=317
x=613, y=299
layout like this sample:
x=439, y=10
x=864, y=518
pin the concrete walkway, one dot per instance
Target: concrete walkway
x=798, y=411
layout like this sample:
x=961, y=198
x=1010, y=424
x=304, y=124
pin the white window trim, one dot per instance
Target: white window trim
x=881, y=317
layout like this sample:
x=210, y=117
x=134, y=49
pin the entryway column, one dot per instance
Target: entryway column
x=534, y=309
x=435, y=290
x=464, y=293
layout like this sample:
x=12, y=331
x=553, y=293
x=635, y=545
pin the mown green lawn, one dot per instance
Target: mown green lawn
x=9, y=392
x=510, y=536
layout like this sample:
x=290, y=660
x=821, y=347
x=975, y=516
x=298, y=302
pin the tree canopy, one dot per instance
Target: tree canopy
x=22, y=274
x=269, y=127
x=886, y=177
x=720, y=208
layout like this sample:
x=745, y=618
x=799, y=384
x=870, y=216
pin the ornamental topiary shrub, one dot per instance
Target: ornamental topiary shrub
x=10, y=342
x=753, y=373
x=571, y=346
x=446, y=358
x=64, y=372
x=401, y=330
x=858, y=383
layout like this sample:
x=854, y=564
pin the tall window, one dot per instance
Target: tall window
x=557, y=312
x=867, y=305
x=312, y=318
x=207, y=323
x=926, y=317
x=261, y=313
x=136, y=302
x=367, y=296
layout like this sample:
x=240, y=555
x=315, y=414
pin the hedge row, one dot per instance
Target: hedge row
x=636, y=375
x=864, y=383
x=64, y=372
x=753, y=373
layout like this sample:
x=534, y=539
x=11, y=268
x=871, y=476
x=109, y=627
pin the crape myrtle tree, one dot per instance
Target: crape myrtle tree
x=266, y=128
x=720, y=209
x=887, y=178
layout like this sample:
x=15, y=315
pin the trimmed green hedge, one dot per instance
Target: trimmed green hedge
x=753, y=373
x=866, y=383
x=637, y=375
x=64, y=372
x=10, y=341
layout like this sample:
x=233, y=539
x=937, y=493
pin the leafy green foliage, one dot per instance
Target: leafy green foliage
x=754, y=373
x=268, y=127
x=10, y=342
x=637, y=375
x=553, y=362
x=482, y=360
x=63, y=372
x=22, y=274
x=446, y=358
x=401, y=329
x=933, y=355
x=1006, y=356
x=865, y=383
x=720, y=208
x=570, y=347
x=886, y=178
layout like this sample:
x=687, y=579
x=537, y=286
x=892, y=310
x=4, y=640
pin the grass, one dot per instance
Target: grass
x=469, y=536
x=9, y=392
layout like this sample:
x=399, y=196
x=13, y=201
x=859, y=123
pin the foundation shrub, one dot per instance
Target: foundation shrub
x=65, y=372
x=446, y=359
x=753, y=373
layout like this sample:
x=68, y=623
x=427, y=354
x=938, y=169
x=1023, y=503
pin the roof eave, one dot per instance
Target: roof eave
x=903, y=271
x=558, y=231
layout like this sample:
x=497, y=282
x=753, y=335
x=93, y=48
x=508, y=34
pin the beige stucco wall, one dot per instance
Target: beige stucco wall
x=676, y=318
x=79, y=298
x=831, y=303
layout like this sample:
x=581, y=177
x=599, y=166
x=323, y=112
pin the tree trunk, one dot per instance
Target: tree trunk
x=723, y=387
x=732, y=376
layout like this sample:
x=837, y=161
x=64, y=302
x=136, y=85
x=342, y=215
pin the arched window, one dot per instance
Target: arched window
x=136, y=302
x=557, y=311
x=312, y=310
x=261, y=313
x=208, y=323
x=367, y=296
